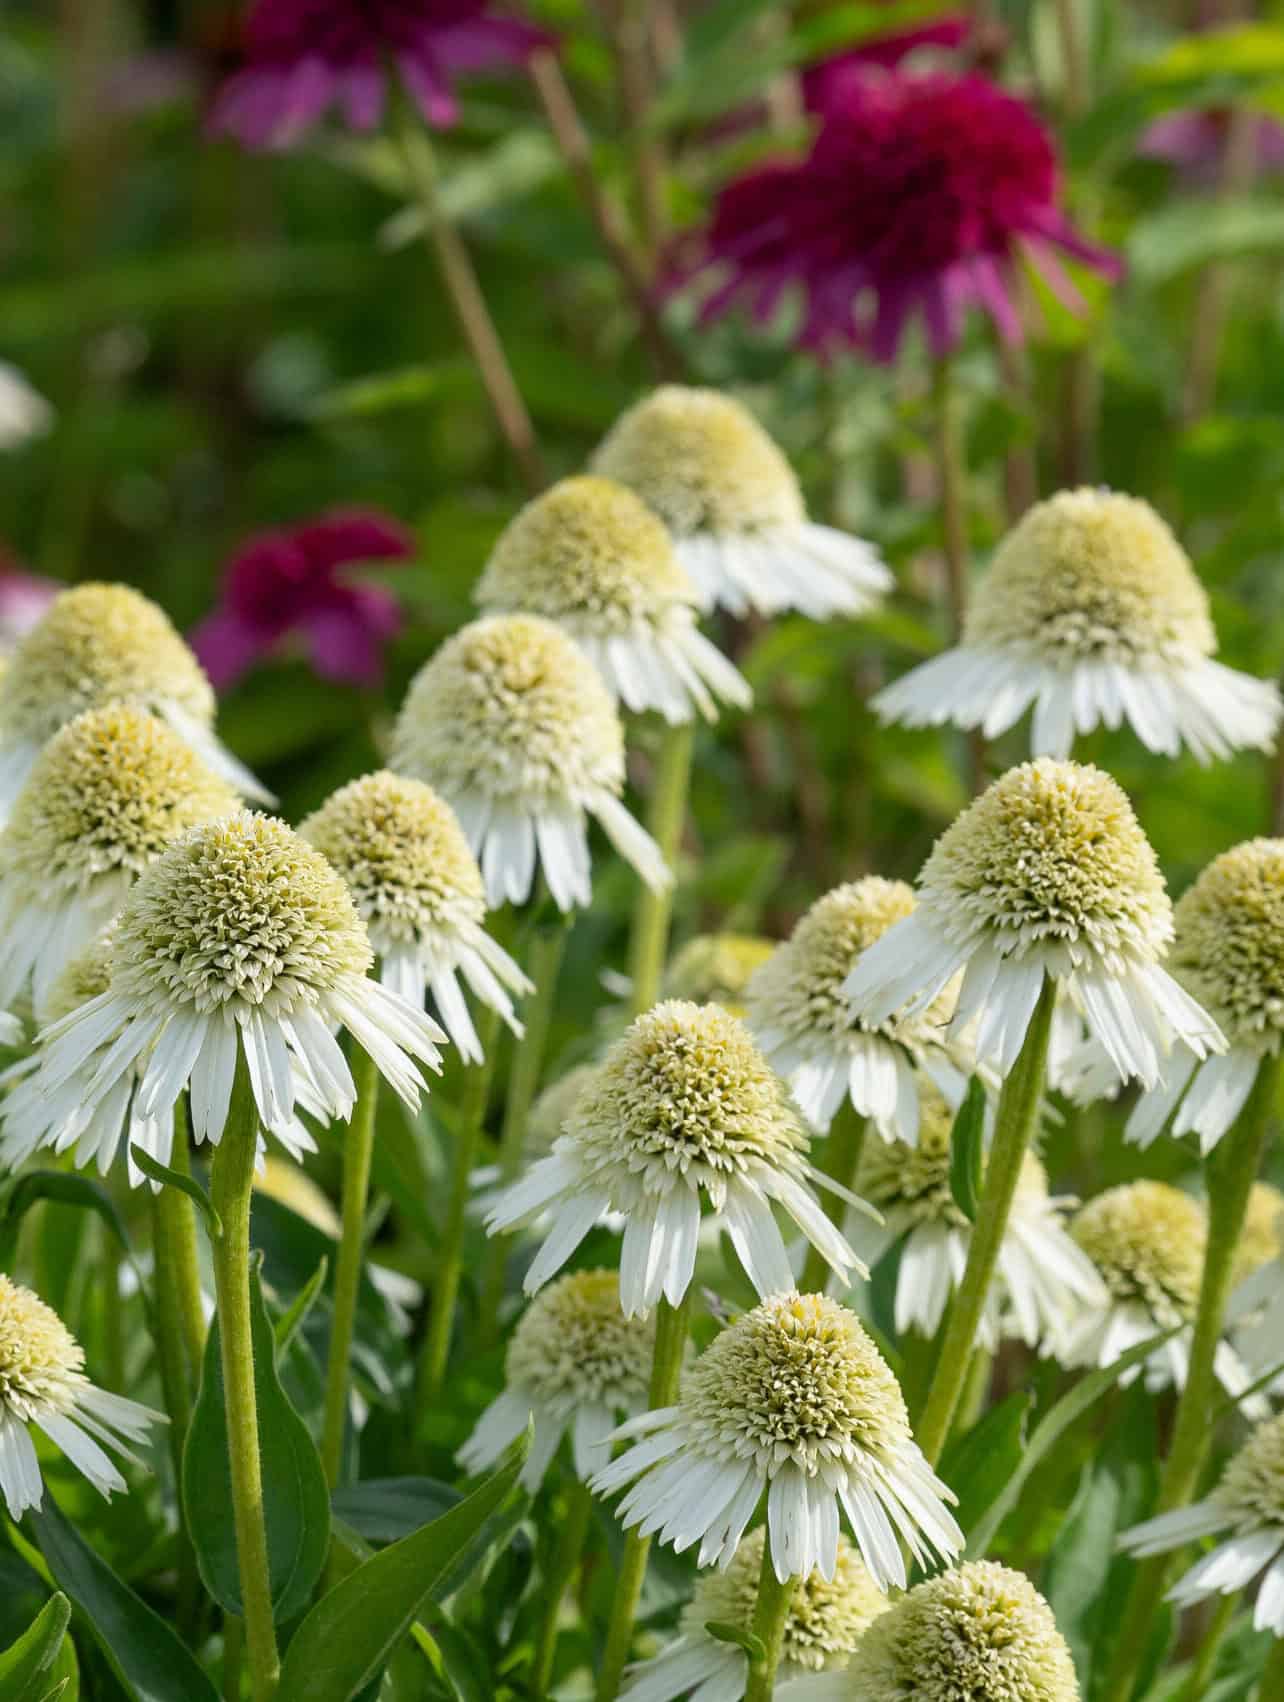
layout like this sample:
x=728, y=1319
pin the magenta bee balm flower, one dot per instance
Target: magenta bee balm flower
x=302, y=57
x=920, y=195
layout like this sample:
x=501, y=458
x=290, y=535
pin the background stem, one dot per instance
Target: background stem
x=358, y=1153
x=770, y=1616
x=566, y=1559
x=666, y=818
x=951, y=460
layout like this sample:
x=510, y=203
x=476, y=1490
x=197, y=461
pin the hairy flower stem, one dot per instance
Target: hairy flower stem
x=839, y=1159
x=358, y=1152
x=951, y=462
x=1015, y=1122
x=671, y=1326
x=466, y=298
x=450, y=1258
x=665, y=819
x=770, y=1616
x=1231, y=1169
x=565, y=1564
x=231, y=1188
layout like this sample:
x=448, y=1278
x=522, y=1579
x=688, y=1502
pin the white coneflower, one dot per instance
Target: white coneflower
x=733, y=505
x=1092, y=613
x=1257, y=1306
x=1147, y=1241
x=793, y=1401
x=511, y=723
x=590, y=555
x=420, y=893
x=43, y=1383
x=1048, y=873
x=106, y=796
x=803, y=1019
x=1043, y=1280
x=575, y=1365
x=1246, y=1512
x=102, y=644
x=683, y=1112
x=240, y=938
x=979, y=1633
x=824, y=1623
x=716, y=969
x=1228, y=952
x=24, y=412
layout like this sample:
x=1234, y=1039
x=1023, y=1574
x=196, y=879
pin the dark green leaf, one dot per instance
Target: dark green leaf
x=967, y=1150
x=61, y=1187
x=726, y=1633
x=295, y=1316
x=158, y=1172
x=976, y=1466
x=25, y=1674
x=386, y=1509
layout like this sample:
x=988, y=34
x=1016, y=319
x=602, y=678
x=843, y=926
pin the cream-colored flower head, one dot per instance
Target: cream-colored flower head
x=706, y=467
x=43, y=1383
x=914, y=1184
x=1047, y=873
x=803, y=1019
x=794, y=1399
x=1147, y=1241
x=554, y=1105
x=108, y=793
x=417, y=886
x=683, y=1113
x=1092, y=612
x=511, y=723
x=716, y=969
x=591, y=555
x=1261, y=1240
x=99, y=645
x=981, y=1632
x=576, y=1364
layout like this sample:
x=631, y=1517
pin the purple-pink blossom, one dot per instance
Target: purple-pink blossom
x=822, y=83
x=297, y=583
x=24, y=598
x=303, y=57
x=1194, y=141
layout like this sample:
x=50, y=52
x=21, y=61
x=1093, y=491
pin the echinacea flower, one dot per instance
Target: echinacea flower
x=919, y=195
x=682, y=1114
x=1195, y=140
x=980, y=1632
x=302, y=57
x=793, y=1401
x=575, y=1364
x=43, y=1383
x=1046, y=874
x=822, y=84
x=1043, y=1279
x=803, y=1019
x=102, y=644
x=419, y=892
x=239, y=941
x=824, y=1622
x=24, y=601
x=1261, y=1239
x=591, y=555
x=734, y=508
x=24, y=412
x=1245, y=1512
x=108, y=793
x=1228, y=953
x=1090, y=612
x=297, y=583
x=716, y=969
x=511, y=724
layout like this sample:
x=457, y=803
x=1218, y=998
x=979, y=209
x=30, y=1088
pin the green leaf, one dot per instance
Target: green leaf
x=977, y=1465
x=65, y=1189
x=295, y=1316
x=295, y=1496
x=1187, y=234
x=155, y=1171
x=345, y=1640
x=25, y=1665
x=725, y=1633
x=142, y=1651
x=388, y=1508
x=967, y=1150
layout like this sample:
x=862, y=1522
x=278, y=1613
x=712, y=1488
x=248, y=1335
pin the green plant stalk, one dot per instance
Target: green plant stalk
x=1014, y=1125
x=358, y=1154
x=951, y=463
x=565, y=1563
x=1272, y=1684
x=666, y=818
x=233, y=1650
x=179, y=1215
x=975, y=1389
x=671, y=1325
x=231, y=1188
x=770, y=1616
x=1201, y=1669
x=840, y=1160
x=1231, y=1169
x=450, y=1259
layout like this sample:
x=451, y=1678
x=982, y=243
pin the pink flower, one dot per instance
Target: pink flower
x=1195, y=142
x=24, y=597
x=919, y=195
x=304, y=56
x=821, y=84
x=290, y=582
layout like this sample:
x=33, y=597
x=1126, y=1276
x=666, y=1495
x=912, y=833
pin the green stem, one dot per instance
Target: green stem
x=671, y=1325
x=358, y=1154
x=1231, y=1169
x=112, y=1319
x=1272, y=1684
x=1201, y=1669
x=770, y=1616
x=665, y=819
x=975, y=1389
x=179, y=1215
x=951, y=462
x=566, y=1560
x=450, y=1259
x=233, y=1651
x=1018, y=1113
x=840, y=1160
x=231, y=1188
